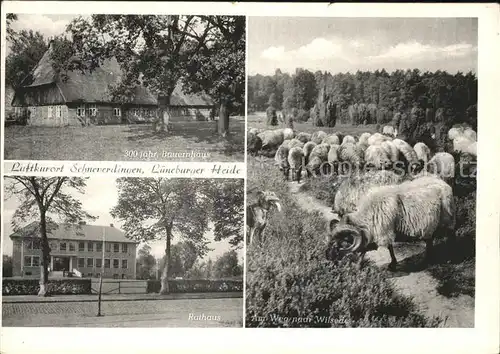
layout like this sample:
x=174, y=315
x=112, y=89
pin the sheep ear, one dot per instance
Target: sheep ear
x=331, y=224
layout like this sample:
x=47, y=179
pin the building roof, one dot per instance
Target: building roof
x=76, y=232
x=94, y=86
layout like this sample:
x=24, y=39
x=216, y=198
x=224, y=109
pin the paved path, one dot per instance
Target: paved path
x=118, y=297
x=141, y=313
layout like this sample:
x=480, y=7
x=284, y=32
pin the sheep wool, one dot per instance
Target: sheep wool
x=288, y=134
x=333, y=155
x=331, y=140
x=303, y=137
x=391, y=150
x=318, y=136
x=423, y=152
x=271, y=138
x=295, y=143
x=376, y=156
x=348, y=139
x=363, y=138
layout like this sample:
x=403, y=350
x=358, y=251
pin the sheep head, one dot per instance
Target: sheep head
x=267, y=199
x=342, y=239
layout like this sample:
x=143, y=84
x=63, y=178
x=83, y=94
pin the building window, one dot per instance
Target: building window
x=90, y=246
x=80, y=111
x=115, y=276
x=108, y=247
x=107, y=263
x=93, y=110
x=117, y=112
x=50, y=113
x=98, y=275
x=116, y=247
x=90, y=262
x=124, y=248
x=62, y=246
x=124, y=263
x=116, y=263
x=123, y=276
x=71, y=246
x=98, y=262
x=58, y=111
x=99, y=247
x=33, y=244
x=90, y=275
x=81, y=246
x=31, y=261
x=81, y=262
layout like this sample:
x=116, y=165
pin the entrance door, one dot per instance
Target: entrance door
x=61, y=263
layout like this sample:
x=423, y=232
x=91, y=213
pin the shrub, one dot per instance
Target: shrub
x=196, y=286
x=321, y=188
x=291, y=284
x=55, y=286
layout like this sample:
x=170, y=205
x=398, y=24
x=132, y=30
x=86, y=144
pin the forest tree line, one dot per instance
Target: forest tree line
x=367, y=97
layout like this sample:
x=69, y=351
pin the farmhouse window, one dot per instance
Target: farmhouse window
x=135, y=111
x=81, y=246
x=124, y=248
x=108, y=247
x=80, y=111
x=27, y=261
x=124, y=263
x=98, y=262
x=71, y=246
x=116, y=263
x=90, y=262
x=35, y=261
x=33, y=244
x=98, y=247
x=58, y=111
x=107, y=263
x=116, y=247
x=90, y=247
x=117, y=112
x=93, y=110
x=115, y=276
x=62, y=246
x=81, y=262
x=90, y=275
x=50, y=112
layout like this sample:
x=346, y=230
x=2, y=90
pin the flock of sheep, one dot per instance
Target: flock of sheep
x=378, y=206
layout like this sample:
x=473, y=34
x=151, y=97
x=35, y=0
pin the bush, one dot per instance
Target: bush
x=302, y=115
x=196, y=286
x=321, y=188
x=55, y=286
x=291, y=284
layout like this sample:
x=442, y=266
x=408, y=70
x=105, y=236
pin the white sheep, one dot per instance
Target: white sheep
x=377, y=138
x=304, y=137
x=464, y=144
x=470, y=134
x=408, y=156
x=423, y=152
x=348, y=139
x=389, y=130
x=391, y=150
x=271, y=138
x=415, y=209
x=318, y=136
x=307, y=149
x=331, y=139
x=288, y=134
x=350, y=156
x=349, y=189
x=281, y=160
x=363, y=138
x=442, y=165
x=295, y=143
x=377, y=157
x=295, y=162
x=318, y=156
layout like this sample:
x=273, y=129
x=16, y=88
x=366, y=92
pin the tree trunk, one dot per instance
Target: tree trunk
x=165, y=275
x=223, y=126
x=161, y=125
x=44, y=265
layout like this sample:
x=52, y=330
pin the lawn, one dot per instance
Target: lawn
x=258, y=120
x=195, y=141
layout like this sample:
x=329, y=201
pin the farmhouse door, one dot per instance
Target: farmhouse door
x=61, y=263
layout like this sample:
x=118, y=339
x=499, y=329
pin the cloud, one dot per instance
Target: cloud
x=44, y=24
x=273, y=53
x=318, y=49
x=415, y=50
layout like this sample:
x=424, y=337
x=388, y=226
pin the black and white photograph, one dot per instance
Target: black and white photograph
x=124, y=252
x=124, y=87
x=361, y=172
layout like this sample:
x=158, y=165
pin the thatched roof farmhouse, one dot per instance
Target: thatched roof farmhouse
x=84, y=98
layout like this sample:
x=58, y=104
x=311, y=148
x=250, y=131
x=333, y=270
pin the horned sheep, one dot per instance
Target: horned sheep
x=413, y=209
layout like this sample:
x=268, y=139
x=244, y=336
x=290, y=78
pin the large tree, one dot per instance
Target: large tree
x=145, y=263
x=26, y=48
x=158, y=208
x=227, y=266
x=155, y=50
x=44, y=199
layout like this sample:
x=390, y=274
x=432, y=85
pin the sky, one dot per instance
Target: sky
x=100, y=196
x=351, y=44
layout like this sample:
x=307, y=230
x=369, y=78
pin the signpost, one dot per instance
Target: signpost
x=102, y=272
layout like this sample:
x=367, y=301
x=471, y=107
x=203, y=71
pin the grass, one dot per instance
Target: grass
x=258, y=120
x=126, y=142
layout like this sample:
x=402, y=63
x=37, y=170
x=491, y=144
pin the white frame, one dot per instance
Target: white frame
x=65, y=246
x=92, y=110
x=87, y=262
x=79, y=111
x=58, y=111
x=114, y=247
x=124, y=248
x=117, y=110
x=50, y=113
x=116, y=259
x=125, y=260
x=107, y=259
x=95, y=263
x=78, y=262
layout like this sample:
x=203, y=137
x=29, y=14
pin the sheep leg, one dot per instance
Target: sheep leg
x=428, y=251
x=394, y=261
x=299, y=174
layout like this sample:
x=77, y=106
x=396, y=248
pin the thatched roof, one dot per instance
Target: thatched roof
x=94, y=86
